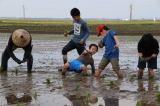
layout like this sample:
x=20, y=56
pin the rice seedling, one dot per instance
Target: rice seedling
x=138, y=103
x=158, y=96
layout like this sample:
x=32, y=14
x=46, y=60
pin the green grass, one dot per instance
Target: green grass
x=135, y=27
x=78, y=86
x=18, y=104
x=67, y=22
x=48, y=80
x=157, y=87
x=158, y=96
x=88, y=95
x=34, y=95
x=59, y=87
x=138, y=103
x=132, y=78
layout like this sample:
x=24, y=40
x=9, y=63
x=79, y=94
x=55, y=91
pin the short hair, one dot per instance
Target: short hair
x=75, y=12
x=93, y=45
x=147, y=37
x=106, y=28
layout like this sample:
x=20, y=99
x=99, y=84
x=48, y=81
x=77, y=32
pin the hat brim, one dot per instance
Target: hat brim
x=20, y=41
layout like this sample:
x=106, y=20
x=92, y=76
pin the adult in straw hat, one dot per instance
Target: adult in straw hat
x=20, y=38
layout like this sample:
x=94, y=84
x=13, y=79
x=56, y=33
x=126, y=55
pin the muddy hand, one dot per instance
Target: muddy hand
x=116, y=46
x=154, y=55
x=65, y=34
x=81, y=41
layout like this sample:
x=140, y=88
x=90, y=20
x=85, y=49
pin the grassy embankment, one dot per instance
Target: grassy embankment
x=136, y=27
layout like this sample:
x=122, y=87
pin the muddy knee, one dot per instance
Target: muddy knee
x=66, y=65
x=83, y=67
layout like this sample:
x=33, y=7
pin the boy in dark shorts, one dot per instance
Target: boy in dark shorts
x=80, y=64
x=80, y=35
x=111, y=55
x=148, y=49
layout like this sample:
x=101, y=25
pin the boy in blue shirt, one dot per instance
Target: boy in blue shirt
x=80, y=34
x=111, y=55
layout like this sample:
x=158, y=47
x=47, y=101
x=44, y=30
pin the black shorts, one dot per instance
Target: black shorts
x=72, y=45
x=152, y=63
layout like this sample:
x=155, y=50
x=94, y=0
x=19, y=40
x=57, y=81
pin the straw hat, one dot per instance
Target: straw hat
x=21, y=37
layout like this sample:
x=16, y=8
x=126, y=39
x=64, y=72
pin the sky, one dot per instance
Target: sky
x=109, y=9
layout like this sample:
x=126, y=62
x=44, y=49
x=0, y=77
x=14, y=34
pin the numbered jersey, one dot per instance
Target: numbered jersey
x=80, y=31
x=77, y=29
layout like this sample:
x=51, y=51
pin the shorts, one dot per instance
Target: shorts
x=72, y=45
x=105, y=61
x=152, y=63
x=75, y=65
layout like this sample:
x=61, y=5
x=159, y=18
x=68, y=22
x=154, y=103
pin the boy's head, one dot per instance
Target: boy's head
x=147, y=38
x=102, y=30
x=93, y=48
x=75, y=13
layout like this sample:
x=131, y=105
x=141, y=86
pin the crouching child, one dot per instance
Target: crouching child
x=80, y=64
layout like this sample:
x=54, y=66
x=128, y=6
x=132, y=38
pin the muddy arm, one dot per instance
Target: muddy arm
x=10, y=50
x=93, y=67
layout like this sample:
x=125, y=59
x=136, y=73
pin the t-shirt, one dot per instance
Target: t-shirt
x=109, y=43
x=80, y=31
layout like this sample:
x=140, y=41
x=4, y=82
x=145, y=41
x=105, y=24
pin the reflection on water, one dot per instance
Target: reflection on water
x=16, y=90
x=147, y=93
x=93, y=101
x=13, y=99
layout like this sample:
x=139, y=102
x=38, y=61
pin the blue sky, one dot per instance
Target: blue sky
x=111, y=9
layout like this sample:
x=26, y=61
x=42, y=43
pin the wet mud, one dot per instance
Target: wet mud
x=47, y=87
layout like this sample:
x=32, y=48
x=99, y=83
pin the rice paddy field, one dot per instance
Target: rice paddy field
x=47, y=87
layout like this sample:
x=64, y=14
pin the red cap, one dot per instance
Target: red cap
x=99, y=29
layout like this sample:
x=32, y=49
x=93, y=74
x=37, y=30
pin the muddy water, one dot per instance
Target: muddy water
x=20, y=88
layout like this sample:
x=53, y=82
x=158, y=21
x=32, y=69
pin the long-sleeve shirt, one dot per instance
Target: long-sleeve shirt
x=87, y=59
x=148, y=48
x=80, y=31
x=11, y=47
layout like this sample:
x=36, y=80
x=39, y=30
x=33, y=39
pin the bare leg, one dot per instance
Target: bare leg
x=119, y=74
x=98, y=72
x=140, y=73
x=150, y=73
x=65, y=67
x=64, y=59
x=84, y=69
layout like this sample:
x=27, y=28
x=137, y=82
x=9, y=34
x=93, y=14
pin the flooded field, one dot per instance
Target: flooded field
x=47, y=87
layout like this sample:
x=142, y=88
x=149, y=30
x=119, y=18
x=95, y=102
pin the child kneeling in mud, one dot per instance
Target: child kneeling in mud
x=80, y=64
x=111, y=55
x=148, y=49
